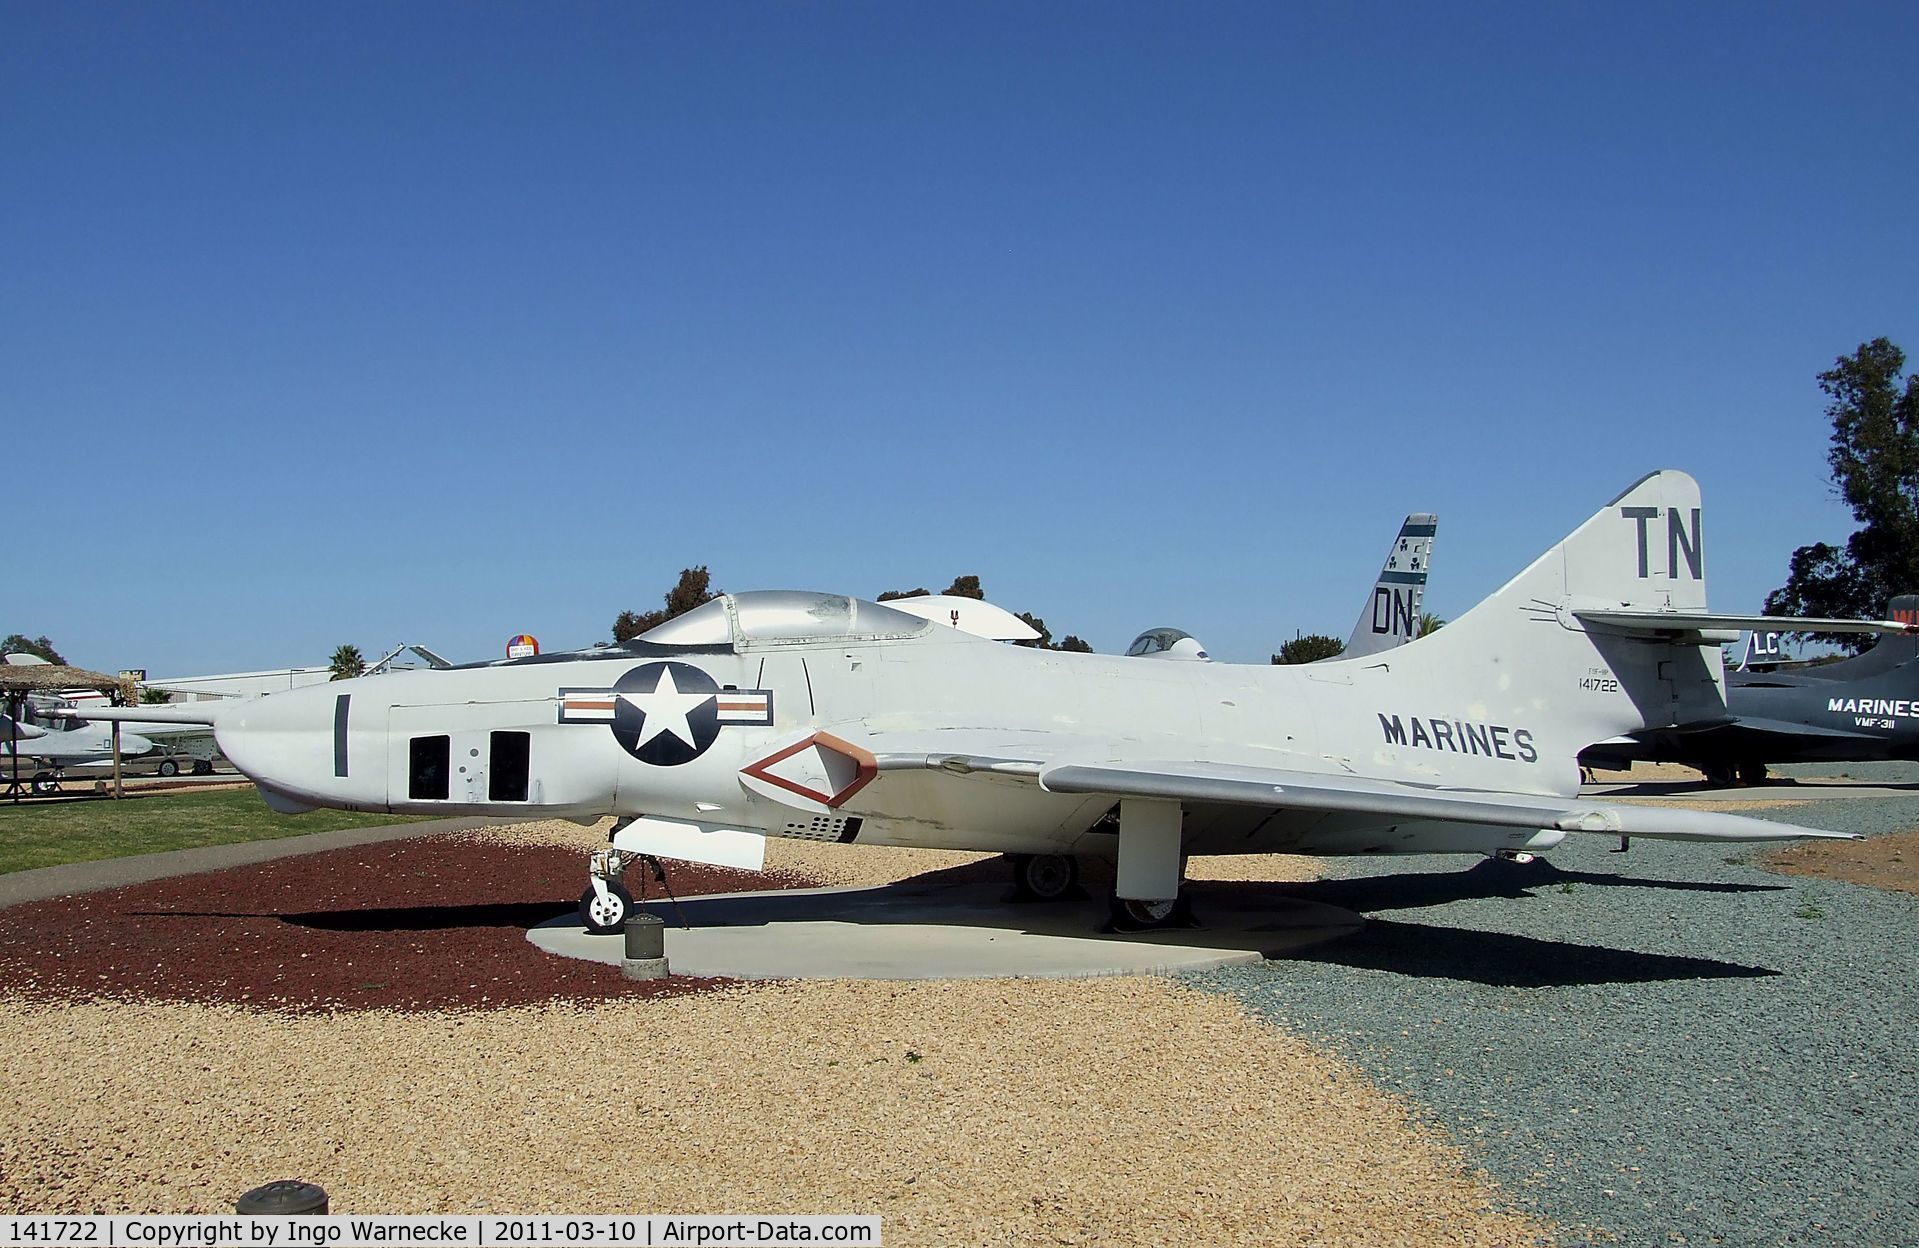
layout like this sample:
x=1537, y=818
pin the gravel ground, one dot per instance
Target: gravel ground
x=989, y=1112
x=1670, y=1046
x=1872, y=773
x=172, y=1044
x=1890, y=862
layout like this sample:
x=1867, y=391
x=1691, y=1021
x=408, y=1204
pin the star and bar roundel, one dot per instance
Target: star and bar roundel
x=666, y=714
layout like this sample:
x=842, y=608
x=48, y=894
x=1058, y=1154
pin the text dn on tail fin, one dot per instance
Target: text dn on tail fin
x=1391, y=614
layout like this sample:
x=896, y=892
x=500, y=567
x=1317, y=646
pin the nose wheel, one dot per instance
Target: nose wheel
x=604, y=909
x=607, y=904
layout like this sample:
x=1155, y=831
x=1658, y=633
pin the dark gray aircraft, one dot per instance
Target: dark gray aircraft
x=1862, y=709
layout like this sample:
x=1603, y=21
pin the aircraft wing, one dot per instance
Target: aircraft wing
x=1270, y=788
x=1273, y=788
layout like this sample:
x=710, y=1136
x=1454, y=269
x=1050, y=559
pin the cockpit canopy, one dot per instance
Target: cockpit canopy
x=783, y=615
x=1166, y=643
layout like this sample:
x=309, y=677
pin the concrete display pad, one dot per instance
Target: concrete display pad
x=949, y=931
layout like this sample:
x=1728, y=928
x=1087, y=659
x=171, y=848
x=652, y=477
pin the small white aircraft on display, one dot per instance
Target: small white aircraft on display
x=830, y=718
x=52, y=750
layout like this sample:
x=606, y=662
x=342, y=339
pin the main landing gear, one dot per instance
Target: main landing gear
x=1128, y=915
x=1043, y=877
x=1727, y=774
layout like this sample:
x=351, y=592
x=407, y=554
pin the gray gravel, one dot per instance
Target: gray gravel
x=1667, y=1046
x=1873, y=773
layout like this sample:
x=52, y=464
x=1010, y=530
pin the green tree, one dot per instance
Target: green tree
x=1045, y=639
x=1428, y=623
x=347, y=663
x=694, y=587
x=149, y=696
x=962, y=587
x=1309, y=648
x=1875, y=468
x=17, y=643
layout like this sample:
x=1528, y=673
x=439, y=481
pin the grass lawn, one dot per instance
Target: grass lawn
x=47, y=835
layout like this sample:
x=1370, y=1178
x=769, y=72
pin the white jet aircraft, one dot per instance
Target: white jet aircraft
x=829, y=718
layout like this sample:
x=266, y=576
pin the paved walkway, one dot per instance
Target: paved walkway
x=17, y=887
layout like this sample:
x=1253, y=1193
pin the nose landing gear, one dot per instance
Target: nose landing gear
x=607, y=903
x=605, y=906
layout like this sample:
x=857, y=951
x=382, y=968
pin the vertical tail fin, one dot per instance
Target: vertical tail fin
x=1391, y=615
x=1521, y=656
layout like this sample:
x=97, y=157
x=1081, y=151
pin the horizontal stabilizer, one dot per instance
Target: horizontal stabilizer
x=1661, y=623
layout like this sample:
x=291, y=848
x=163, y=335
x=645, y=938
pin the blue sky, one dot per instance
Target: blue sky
x=440, y=323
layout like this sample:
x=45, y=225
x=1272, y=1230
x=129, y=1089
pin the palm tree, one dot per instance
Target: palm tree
x=1429, y=623
x=347, y=663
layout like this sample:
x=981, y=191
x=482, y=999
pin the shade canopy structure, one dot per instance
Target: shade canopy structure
x=58, y=678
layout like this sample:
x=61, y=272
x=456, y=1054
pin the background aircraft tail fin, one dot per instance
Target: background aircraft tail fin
x=1391, y=614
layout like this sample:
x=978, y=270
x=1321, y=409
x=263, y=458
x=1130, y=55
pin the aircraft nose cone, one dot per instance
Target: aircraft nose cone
x=292, y=743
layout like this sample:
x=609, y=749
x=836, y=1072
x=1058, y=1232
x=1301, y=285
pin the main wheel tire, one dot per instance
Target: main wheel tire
x=169, y=768
x=46, y=782
x=1131, y=915
x=1752, y=773
x=1043, y=877
x=1720, y=775
x=603, y=917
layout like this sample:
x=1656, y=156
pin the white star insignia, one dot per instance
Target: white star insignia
x=666, y=709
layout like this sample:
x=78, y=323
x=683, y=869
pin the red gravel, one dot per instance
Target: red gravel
x=424, y=924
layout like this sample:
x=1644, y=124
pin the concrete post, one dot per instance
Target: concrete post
x=645, y=952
